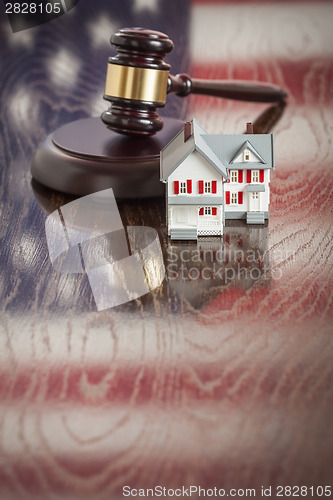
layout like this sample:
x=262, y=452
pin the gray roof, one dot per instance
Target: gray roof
x=219, y=150
x=196, y=142
x=228, y=147
x=195, y=200
x=254, y=188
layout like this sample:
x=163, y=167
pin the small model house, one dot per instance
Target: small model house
x=211, y=178
x=194, y=176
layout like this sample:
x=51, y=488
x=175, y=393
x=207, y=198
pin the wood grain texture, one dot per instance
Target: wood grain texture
x=221, y=377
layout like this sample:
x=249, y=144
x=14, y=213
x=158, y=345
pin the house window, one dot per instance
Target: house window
x=207, y=187
x=255, y=175
x=246, y=156
x=208, y=211
x=255, y=195
x=234, y=199
x=182, y=186
x=234, y=176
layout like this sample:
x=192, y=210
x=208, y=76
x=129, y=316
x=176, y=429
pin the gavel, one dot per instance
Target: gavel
x=138, y=81
x=85, y=156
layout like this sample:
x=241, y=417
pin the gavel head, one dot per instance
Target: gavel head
x=137, y=81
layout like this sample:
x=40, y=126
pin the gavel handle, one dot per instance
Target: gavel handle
x=183, y=85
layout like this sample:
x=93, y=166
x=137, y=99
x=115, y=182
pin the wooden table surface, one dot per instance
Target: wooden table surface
x=224, y=382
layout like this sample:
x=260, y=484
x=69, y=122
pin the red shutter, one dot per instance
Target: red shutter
x=227, y=197
x=214, y=187
x=240, y=197
x=248, y=176
x=176, y=187
x=240, y=175
x=201, y=211
x=200, y=187
x=261, y=175
x=214, y=211
x=189, y=186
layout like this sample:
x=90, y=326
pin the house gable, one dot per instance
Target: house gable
x=229, y=147
x=195, y=166
x=247, y=154
x=174, y=154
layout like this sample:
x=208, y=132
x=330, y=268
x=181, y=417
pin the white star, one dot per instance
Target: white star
x=24, y=108
x=140, y=5
x=64, y=68
x=100, y=30
x=98, y=104
x=25, y=252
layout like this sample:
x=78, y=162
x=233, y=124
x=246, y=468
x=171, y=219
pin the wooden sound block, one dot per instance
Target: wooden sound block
x=85, y=156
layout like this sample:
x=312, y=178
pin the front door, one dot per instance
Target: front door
x=254, y=201
x=186, y=216
x=181, y=215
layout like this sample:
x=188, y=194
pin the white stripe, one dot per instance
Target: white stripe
x=106, y=432
x=232, y=33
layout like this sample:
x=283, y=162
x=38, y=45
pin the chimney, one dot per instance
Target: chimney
x=249, y=128
x=187, y=131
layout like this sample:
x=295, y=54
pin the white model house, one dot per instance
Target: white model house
x=211, y=178
x=194, y=176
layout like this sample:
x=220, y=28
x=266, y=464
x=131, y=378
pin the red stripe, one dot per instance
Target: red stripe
x=79, y=387
x=287, y=74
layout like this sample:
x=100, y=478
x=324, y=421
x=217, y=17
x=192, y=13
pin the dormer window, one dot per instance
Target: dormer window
x=246, y=156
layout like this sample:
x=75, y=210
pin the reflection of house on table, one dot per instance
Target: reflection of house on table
x=197, y=271
x=211, y=178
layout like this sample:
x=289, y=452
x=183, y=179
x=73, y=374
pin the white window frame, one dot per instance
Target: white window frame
x=207, y=187
x=234, y=176
x=255, y=195
x=255, y=176
x=182, y=187
x=246, y=155
x=233, y=198
x=207, y=211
